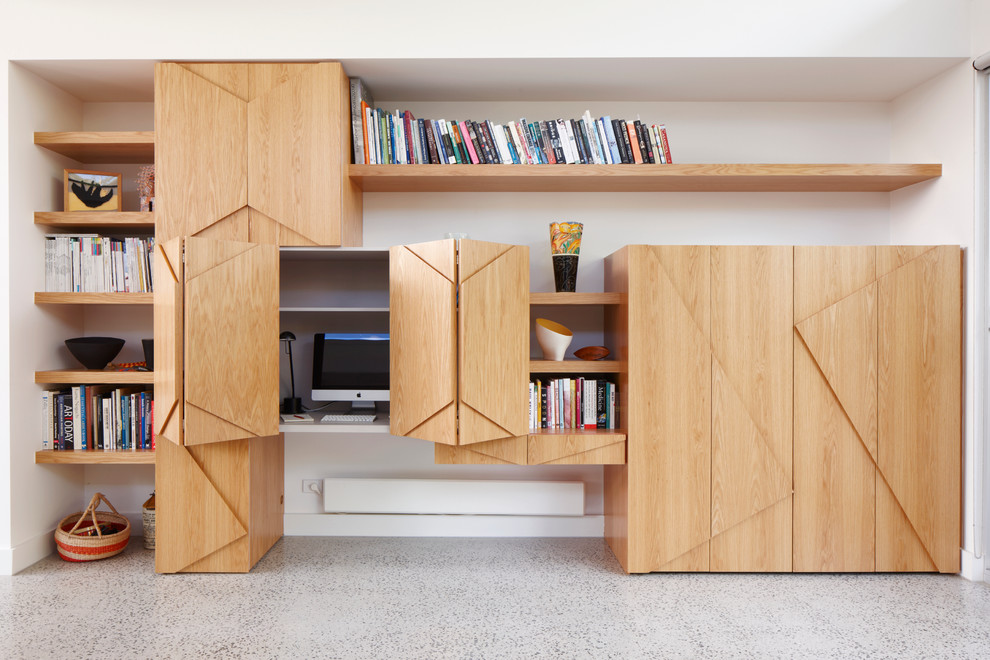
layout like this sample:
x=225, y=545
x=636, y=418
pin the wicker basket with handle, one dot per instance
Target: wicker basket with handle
x=92, y=534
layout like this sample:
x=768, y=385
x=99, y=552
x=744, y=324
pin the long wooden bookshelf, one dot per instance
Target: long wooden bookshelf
x=79, y=298
x=94, y=377
x=101, y=146
x=572, y=298
x=575, y=366
x=731, y=177
x=123, y=457
x=109, y=220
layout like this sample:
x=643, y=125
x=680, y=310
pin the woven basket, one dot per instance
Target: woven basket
x=79, y=537
x=148, y=521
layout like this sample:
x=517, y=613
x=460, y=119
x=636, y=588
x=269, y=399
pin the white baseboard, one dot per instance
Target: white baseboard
x=972, y=568
x=335, y=524
x=16, y=559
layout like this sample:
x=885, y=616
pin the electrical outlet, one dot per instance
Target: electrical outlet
x=312, y=486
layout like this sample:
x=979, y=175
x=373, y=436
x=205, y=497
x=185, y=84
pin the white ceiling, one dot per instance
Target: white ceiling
x=590, y=79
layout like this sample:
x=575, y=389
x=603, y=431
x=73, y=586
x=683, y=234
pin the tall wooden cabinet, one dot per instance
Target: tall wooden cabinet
x=255, y=152
x=459, y=314
x=877, y=408
x=787, y=408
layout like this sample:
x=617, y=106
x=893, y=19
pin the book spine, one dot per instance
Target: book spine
x=478, y=142
x=603, y=138
x=438, y=139
x=657, y=151
x=644, y=144
x=44, y=421
x=612, y=421
x=574, y=138
x=498, y=135
x=431, y=141
x=622, y=136
x=584, y=148
x=544, y=130
x=558, y=150
x=359, y=99
x=468, y=143
x=407, y=136
x=521, y=147
x=533, y=135
x=448, y=143
x=510, y=148
x=489, y=137
x=567, y=142
x=68, y=423
x=665, y=144
x=633, y=142
x=455, y=148
x=543, y=406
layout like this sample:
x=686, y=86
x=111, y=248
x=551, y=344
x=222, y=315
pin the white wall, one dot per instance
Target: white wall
x=224, y=29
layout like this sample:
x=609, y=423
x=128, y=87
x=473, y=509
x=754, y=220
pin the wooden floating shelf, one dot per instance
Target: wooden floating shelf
x=94, y=376
x=96, y=219
x=71, y=298
x=550, y=298
x=618, y=434
x=101, y=147
x=336, y=310
x=742, y=177
x=576, y=366
x=123, y=457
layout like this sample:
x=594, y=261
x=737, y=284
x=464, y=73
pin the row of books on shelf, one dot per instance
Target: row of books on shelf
x=91, y=263
x=572, y=403
x=381, y=137
x=98, y=418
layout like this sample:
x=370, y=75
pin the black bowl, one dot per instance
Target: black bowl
x=149, y=353
x=94, y=352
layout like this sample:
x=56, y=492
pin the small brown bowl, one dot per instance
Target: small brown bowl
x=592, y=353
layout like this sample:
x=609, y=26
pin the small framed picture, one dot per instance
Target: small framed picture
x=86, y=190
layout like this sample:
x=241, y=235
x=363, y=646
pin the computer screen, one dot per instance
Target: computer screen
x=351, y=367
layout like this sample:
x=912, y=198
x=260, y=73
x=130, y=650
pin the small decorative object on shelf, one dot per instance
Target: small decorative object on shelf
x=92, y=534
x=88, y=190
x=565, y=247
x=148, y=521
x=146, y=187
x=592, y=353
x=94, y=352
x=553, y=338
x=149, y=353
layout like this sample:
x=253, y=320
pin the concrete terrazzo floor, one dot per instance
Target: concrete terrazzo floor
x=477, y=598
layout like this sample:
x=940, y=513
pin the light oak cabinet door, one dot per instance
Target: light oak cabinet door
x=460, y=343
x=255, y=152
x=219, y=463
x=877, y=446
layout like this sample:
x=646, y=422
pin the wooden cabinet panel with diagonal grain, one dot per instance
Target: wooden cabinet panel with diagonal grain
x=919, y=446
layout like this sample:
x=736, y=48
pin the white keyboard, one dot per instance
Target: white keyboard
x=348, y=418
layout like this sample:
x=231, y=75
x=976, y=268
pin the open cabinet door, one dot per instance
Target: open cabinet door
x=231, y=341
x=423, y=335
x=493, y=341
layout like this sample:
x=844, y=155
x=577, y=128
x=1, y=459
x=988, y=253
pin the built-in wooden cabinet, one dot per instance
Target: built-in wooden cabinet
x=877, y=435
x=255, y=152
x=787, y=408
x=219, y=468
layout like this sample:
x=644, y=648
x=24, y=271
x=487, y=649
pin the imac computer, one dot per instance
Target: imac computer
x=351, y=367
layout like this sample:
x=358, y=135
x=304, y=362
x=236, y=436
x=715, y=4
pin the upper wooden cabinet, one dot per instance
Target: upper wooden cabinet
x=459, y=341
x=255, y=152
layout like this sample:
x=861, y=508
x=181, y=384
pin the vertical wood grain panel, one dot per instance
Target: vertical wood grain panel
x=168, y=278
x=493, y=344
x=231, y=77
x=423, y=331
x=187, y=500
x=668, y=411
x=892, y=257
x=834, y=498
x=752, y=342
x=294, y=133
x=616, y=477
x=201, y=152
x=920, y=397
x=231, y=341
x=267, y=481
x=227, y=466
x=898, y=548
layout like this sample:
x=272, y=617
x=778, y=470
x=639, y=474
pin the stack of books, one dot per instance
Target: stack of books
x=572, y=403
x=90, y=263
x=382, y=137
x=97, y=417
